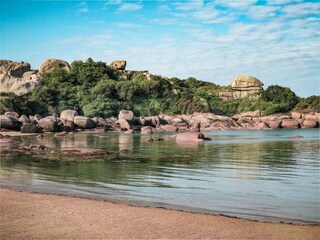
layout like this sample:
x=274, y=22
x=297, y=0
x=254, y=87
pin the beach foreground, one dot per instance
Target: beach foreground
x=36, y=216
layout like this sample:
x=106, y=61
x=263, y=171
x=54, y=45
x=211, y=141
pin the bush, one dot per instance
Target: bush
x=282, y=96
x=310, y=103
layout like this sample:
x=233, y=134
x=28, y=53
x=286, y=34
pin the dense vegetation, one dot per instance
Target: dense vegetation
x=94, y=89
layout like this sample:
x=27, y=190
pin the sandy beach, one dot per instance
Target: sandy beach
x=37, y=216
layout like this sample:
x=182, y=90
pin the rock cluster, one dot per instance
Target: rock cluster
x=242, y=86
x=17, y=77
x=70, y=121
x=254, y=120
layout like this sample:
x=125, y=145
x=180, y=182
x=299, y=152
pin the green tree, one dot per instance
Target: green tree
x=283, y=96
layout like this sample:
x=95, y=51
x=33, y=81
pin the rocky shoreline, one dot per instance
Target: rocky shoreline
x=70, y=121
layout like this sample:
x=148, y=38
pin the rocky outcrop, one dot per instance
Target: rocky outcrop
x=243, y=86
x=14, y=69
x=50, y=65
x=119, y=64
x=17, y=78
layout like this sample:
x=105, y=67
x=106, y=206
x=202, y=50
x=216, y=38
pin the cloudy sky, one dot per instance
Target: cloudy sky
x=276, y=41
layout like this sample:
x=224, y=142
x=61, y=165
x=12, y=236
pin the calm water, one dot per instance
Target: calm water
x=251, y=174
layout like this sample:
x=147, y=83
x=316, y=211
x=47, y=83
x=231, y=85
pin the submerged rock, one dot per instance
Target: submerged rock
x=191, y=136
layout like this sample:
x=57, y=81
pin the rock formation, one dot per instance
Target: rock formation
x=50, y=65
x=119, y=64
x=17, y=77
x=243, y=86
x=14, y=69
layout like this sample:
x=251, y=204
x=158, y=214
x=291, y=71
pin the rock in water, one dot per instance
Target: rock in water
x=290, y=123
x=50, y=65
x=169, y=128
x=191, y=136
x=126, y=114
x=84, y=122
x=48, y=124
x=9, y=122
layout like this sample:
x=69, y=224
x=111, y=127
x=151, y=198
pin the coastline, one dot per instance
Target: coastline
x=34, y=215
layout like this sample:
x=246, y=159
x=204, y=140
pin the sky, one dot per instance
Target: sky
x=276, y=41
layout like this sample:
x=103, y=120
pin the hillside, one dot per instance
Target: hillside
x=97, y=89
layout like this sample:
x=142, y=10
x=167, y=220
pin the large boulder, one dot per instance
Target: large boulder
x=50, y=65
x=68, y=114
x=190, y=136
x=146, y=130
x=126, y=114
x=275, y=124
x=119, y=64
x=67, y=126
x=296, y=115
x=290, y=123
x=310, y=123
x=242, y=86
x=84, y=122
x=24, y=119
x=245, y=81
x=48, y=124
x=124, y=124
x=210, y=121
x=9, y=122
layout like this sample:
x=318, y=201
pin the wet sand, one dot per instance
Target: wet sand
x=26, y=215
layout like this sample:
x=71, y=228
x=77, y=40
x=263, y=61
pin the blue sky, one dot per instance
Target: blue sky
x=276, y=41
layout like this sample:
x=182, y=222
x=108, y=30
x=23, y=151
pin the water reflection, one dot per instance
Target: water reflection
x=240, y=171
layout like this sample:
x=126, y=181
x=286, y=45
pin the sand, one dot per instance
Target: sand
x=26, y=215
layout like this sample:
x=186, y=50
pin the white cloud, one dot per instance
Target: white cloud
x=127, y=25
x=206, y=13
x=189, y=5
x=82, y=7
x=262, y=12
x=130, y=7
x=235, y=3
x=302, y=9
x=114, y=2
x=282, y=2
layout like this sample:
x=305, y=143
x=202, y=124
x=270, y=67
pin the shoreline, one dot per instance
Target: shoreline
x=169, y=207
x=34, y=215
